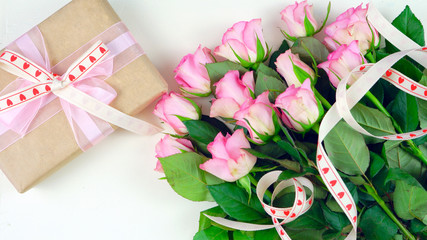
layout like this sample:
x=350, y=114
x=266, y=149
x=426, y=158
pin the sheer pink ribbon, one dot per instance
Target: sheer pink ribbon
x=38, y=88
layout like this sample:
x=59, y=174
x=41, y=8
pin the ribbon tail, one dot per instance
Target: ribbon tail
x=396, y=37
x=105, y=112
x=239, y=225
x=88, y=130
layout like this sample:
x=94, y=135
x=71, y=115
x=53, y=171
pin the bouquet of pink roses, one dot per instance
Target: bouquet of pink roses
x=259, y=153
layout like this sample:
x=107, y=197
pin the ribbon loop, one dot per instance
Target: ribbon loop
x=87, y=112
x=301, y=204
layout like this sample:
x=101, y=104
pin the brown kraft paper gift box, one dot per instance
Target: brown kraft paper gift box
x=38, y=154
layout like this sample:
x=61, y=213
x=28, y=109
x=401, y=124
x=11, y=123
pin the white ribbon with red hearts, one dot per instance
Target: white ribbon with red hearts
x=46, y=82
x=348, y=98
x=279, y=216
x=345, y=100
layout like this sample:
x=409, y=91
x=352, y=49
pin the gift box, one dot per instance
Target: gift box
x=52, y=144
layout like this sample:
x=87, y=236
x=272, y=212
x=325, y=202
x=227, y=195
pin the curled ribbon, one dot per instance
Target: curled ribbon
x=84, y=95
x=345, y=100
x=348, y=98
x=279, y=216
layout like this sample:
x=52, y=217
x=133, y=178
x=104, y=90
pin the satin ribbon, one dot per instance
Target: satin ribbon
x=345, y=100
x=279, y=216
x=83, y=94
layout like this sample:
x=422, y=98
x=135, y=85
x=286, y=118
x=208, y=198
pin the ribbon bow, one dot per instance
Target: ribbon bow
x=82, y=92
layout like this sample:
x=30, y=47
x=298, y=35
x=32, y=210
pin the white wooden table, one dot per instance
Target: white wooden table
x=111, y=191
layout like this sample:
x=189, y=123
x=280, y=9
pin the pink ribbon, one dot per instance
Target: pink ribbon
x=38, y=85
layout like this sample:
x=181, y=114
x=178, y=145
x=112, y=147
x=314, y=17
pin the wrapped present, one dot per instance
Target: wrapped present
x=46, y=132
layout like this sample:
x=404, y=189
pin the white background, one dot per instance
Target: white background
x=111, y=191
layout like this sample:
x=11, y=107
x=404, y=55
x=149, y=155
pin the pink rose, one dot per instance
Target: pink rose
x=294, y=16
x=300, y=107
x=172, y=105
x=229, y=159
x=257, y=117
x=239, y=43
x=342, y=61
x=191, y=74
x=293, y=69
x=351, y=25
x=168, y=146
x=231, y=92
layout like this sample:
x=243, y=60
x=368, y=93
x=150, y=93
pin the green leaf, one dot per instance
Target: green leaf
x=270, y=149
x=292, y=151
x=185, y=177
x=422, y=106
x=317, y=49
x=331, y=234
x=373, y=121
x=410, y=201
x=417, y=226
x=333, y=205
x=353, y=191
x=399, y=158
x=260, y=154
x=289, y=149
x=283, y=47
x=376, y=225
x=245, y=183
x=404, y=109
x=312, y=219
x=270, y=234
x=267, y=71
x=398, y=237
x=217, y=123
x=306, y=234
x=217, y=70
x=212, y=233
x=409, y=25
x=377, y=163
x=201, y=131
x=267, y=83
x=212, y=180
x=239, y=235
x=380, y=185
x=397, y=174
x=347, y=149
x=288, y=174
x=336, y=220
x=205, y=222
x=235, y=202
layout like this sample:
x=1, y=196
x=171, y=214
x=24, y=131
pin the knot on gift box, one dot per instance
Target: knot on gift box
x=83, y=94
x=58, y=83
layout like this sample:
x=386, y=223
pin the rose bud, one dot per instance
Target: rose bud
x=257, y=116
x=342, y=61
x=244, y=43
x=191, y=74
x=293, y=69
x=231, y=92
x=168, y=146
x=299, y=20
x=173, y=105
x=300, y=108
x=351, y=25
x=229, y=159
